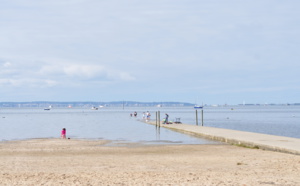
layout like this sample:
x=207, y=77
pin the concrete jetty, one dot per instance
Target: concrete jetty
x=247, y=139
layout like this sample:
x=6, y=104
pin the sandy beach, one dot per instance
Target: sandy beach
x=86, y=162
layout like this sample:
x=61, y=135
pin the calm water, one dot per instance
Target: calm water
x=274, y=120
x=116, y=123
x=108, y=123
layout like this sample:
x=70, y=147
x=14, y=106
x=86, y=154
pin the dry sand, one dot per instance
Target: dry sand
x=83, y=162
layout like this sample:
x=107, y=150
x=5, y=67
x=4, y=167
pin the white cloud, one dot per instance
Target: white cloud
x=27, y=82
x=85, y=71
x=126, y=77
x=51, y=70
x=169, y=42
x=58, y=73
x=6, y=64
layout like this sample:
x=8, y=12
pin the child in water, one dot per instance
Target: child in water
x=63, y=133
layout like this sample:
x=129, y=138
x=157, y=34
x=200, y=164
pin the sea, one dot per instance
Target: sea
x=117, y=125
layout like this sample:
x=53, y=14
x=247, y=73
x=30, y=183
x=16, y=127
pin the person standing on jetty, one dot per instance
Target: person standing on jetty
x=166, y=119
x=63, y=133
x=148, y=116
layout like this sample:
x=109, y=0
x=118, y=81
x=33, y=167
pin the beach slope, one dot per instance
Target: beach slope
x=85, y=162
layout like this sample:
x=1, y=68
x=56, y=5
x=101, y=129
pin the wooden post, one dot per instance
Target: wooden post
x=156, y=118
x=159, y=118
x=196, y=117
x=202, y=116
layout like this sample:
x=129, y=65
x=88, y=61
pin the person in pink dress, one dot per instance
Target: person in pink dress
x=63, y=133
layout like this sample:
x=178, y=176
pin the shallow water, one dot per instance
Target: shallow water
x=116, y=123
x=109, y=124
x=274, y=120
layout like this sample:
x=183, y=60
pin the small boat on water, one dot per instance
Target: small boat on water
x=94, y=108
x=198, y=107
x=49, y=108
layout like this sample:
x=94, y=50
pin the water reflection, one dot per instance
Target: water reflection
x=157, y=132
x=110, y=124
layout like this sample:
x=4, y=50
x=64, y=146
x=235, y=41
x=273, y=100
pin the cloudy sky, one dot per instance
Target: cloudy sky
x=210, y=51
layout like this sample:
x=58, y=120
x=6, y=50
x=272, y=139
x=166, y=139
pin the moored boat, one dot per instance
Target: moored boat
x=198, y=107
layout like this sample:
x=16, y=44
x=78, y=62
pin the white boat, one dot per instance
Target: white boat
x=198, y=107
x=49, y=108
x=94, y=108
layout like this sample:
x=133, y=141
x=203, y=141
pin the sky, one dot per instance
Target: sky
x=196, y=51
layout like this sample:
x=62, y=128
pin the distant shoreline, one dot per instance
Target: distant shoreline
x=88, y=104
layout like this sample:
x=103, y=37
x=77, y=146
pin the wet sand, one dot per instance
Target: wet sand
x=85, y=162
